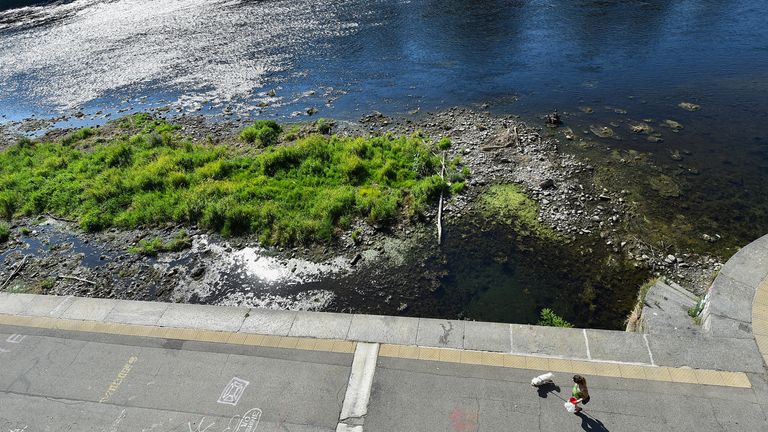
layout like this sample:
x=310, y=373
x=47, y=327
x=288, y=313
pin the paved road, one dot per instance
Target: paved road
x=53, y=380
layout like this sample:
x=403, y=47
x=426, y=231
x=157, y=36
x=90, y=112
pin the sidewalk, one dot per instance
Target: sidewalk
x=62, y=380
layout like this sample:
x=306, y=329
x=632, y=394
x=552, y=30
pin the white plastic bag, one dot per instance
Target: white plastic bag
x=571, y=408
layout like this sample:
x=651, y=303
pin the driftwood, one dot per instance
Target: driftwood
x=78, y=279
x=60, y=218
x=15, y=272
x=507, y=142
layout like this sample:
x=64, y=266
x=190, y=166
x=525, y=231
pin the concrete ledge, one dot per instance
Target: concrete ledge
x=383, y=329
x=222, y=324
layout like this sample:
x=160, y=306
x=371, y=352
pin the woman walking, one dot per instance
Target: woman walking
x=580, y=391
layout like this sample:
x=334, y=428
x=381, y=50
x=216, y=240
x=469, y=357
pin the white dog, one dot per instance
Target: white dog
x=542, y=379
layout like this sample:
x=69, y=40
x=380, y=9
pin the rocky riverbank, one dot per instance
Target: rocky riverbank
x=367, y=268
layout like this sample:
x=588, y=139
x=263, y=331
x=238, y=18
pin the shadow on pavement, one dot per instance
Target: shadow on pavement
x=591, y=424
x=547, y=388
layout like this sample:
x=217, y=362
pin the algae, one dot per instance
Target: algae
x=509, y=204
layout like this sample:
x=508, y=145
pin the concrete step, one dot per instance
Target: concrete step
x=665, y=310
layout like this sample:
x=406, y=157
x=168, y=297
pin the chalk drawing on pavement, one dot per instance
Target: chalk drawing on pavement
x=233, y=391
x=247, y=422
x=15, y=338
x=200, y=424
x=115, y=384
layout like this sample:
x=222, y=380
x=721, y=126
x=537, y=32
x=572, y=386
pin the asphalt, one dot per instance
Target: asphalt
x=58, y=380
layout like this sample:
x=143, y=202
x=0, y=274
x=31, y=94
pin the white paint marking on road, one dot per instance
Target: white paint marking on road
x=647, y=345
x=233, y=391
x=4, y=350
x=358, y=394
x=199, y=425
x=341, y=427
x=15, y=338
x=117, y=421
x=511, y=340
x=586, y=341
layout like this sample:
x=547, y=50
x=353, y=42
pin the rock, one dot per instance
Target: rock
x=356, y=259
x=673, y=124
x=547, y=184
x=654, y=139
x=670, y=259
x=641, y=127
x=553, y=119
x=272, y=93
x=311, y=110
x=602, y=131
x=586, y=109
x=373, y=117
x=689, y=106
x=197, y=272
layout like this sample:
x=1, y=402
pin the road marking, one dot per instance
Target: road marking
x=648, y=346
x=115, y=384
x=358, y=394
x=586, y=341
x=233, y=391
x=15, y=338
x=117, y=421
x=199, y=425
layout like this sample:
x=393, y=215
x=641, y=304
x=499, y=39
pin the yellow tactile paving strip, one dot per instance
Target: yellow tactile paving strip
x=544, y=364
x=760, y=319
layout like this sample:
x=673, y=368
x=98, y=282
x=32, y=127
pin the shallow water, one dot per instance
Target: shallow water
x=626, y=61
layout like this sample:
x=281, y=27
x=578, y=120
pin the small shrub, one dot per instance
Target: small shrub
x=324, y=126
x=5, y=232
x=444, y=144
x=263, y=133
x=77, y=136
x=549, y=318
x=178, y=243
x=25, y=231
x=147, y=247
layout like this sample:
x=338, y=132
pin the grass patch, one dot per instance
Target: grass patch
x=5, y=232
x=510, y=205
x=156, y=245
x=303, y=191
x=263, y=133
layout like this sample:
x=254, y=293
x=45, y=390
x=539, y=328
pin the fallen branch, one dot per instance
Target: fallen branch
x=78, y=279
x=60, y=218
x=440, y=206
x=15, y=272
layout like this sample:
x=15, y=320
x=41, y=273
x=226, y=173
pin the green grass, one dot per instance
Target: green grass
x=156, y=245
x=262, y=132
x=303, y=191
x=5, y=232
x=509, y=204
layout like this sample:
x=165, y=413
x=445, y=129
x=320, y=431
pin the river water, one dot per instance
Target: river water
x=606, y=62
